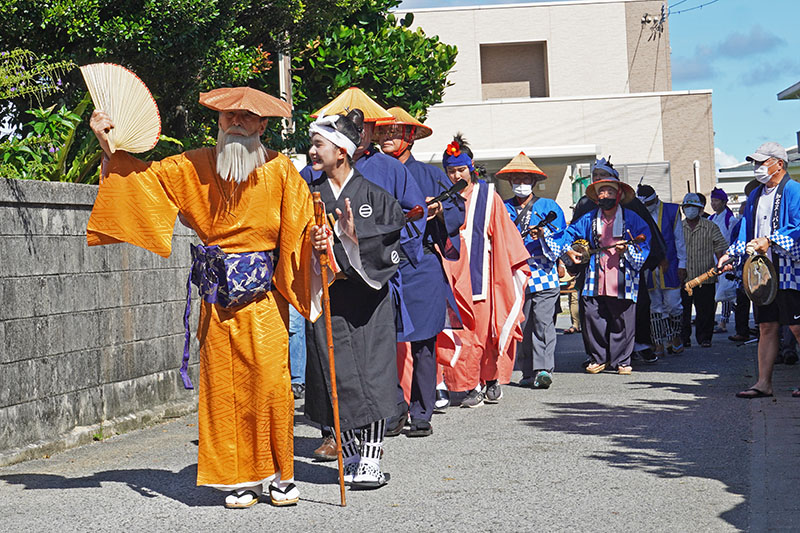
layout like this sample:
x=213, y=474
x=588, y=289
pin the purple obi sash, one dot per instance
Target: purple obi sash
x=229, y=280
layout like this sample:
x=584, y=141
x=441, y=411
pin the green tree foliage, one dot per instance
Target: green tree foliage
x=177, y=47
x=182, y=47
x=372, y=50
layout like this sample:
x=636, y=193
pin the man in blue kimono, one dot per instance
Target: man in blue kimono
x=536, y=353
x=612, y=272
x=426, y=292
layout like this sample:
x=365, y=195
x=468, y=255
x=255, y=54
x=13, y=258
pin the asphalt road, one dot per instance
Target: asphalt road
x=668, y=448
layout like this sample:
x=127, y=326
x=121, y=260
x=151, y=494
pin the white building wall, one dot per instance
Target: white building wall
x=586, y=43
x=630, y=127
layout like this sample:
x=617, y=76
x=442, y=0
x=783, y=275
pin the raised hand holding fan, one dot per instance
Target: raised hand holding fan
x=126, y=99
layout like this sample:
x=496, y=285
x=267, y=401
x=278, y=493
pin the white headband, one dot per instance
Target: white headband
x=324, y=126
x=645, y=199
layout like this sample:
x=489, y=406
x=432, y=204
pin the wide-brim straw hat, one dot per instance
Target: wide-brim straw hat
x=626, y=191
x=520, y=165
x=245, y=99
x=402, y=117
x=355, y=98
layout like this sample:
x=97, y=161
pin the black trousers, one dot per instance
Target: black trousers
x=423, y=381
x=643, y=334
x=704, y=305
x=741, y=313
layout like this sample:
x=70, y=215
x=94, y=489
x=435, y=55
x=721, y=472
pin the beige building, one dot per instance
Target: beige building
x=566, y=82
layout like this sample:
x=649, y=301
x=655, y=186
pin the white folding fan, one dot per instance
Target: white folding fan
x=127, y=100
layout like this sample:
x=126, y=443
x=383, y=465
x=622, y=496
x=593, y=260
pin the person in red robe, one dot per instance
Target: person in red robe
x=489, y=284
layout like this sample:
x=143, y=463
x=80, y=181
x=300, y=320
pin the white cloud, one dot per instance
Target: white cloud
x=759, y=40
x=722, y=160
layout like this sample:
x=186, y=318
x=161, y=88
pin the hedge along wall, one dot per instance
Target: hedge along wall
x=90, y=338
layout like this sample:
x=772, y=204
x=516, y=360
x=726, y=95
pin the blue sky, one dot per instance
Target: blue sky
x=746, y=51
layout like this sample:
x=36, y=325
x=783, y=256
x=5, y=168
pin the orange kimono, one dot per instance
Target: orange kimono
x=246, y=406
x=488, y=282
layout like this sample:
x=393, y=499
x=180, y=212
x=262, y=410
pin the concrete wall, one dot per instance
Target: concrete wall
x=89, y=337
x=648, y=53
x=688, y=135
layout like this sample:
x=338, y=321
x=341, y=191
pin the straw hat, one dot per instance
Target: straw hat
x=521, y=164
x=355, y=98
x=402, y=117
x=245, y=99
x=626, y=193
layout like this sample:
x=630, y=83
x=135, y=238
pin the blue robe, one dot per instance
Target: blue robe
x=426, y=292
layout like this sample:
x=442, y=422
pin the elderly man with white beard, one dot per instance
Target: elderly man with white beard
x=253, y=213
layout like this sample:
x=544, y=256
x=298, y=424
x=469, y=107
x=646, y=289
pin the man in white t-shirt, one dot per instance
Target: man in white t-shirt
x=771, y=226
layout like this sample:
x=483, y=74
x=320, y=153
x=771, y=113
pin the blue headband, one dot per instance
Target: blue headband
x=454, y=157
x=602, y=164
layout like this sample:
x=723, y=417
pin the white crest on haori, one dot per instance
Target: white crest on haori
x=365, y=211
x=395, y=257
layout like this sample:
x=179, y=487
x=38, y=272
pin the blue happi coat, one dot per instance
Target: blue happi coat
x=544, y=270
x=632, y=260
x=784, y=231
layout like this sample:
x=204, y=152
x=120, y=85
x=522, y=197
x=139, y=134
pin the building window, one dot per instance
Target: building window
x=514, y=70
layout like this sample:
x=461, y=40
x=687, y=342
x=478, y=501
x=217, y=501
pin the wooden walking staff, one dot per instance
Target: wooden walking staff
x=319, y=218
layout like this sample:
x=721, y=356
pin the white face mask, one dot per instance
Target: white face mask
x=691, y=212
x=522, y=189
x=763, y=175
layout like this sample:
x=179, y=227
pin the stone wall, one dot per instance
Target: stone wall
x=90, y=338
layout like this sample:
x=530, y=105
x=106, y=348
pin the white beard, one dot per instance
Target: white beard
x=238, y=156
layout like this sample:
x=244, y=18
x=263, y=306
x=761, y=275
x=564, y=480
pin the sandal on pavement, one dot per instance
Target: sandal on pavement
x=282, y=497
x=369, y=476
x=752, y=392
x=624, y=370
x=595, y=368
x=242, y=499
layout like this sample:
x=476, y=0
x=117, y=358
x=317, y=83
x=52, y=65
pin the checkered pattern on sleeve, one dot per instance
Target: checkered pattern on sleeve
x=550, y=247
x=788, y=254
x=634, y=258
x=787, y=246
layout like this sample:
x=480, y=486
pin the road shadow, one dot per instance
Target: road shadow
x=147, y=482
x=668, y=438
x=179, y=486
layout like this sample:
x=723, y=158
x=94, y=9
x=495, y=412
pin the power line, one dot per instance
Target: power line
x=676, y=4
x=701, y=6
